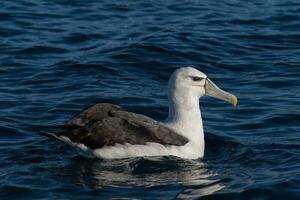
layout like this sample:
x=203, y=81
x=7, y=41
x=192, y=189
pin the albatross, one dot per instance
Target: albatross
x=107, y=131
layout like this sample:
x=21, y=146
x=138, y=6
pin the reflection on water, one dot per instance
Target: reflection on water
x=191, y=178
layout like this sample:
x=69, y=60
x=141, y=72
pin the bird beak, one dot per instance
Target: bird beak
x=214, y=91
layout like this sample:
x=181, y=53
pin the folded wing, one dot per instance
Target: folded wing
x=107, y=124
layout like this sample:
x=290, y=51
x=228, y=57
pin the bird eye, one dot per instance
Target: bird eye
x=195, y=78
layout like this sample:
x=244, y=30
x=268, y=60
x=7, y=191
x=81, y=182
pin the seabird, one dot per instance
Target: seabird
x=109, y=132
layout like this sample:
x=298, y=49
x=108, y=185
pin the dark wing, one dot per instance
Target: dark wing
x=107, y=125
x=94, y=113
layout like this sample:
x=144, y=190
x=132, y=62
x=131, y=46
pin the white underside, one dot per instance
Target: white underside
x=118, y=151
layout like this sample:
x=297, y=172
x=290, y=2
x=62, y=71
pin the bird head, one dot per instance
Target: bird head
x=188, y=82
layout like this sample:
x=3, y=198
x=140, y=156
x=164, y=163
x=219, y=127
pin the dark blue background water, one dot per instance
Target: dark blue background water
x=57, y=57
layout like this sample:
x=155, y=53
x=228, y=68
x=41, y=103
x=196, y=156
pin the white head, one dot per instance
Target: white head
x=187, y=82
x=187, y=85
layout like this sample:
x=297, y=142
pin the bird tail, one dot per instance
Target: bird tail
x=54, y=136
x=50, y=135
x=84, y=152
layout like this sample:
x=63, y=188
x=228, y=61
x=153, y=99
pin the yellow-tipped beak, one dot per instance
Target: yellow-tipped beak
x=234, y=100
x=214, y=91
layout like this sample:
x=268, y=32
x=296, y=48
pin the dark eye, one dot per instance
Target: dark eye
x=195, y=78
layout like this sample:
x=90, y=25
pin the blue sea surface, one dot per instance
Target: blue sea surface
x=59, y=56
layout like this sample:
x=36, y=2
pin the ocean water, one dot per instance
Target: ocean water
x=59, y=56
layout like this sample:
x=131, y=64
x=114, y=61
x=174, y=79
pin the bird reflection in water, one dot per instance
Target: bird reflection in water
x=192, y=178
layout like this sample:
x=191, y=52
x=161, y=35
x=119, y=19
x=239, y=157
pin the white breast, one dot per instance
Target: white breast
x=188, y=151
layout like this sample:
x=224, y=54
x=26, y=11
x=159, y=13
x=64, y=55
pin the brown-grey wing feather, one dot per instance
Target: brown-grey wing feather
x=108, y=132
x=106, y=125
x=93, y=113
x=153, y=128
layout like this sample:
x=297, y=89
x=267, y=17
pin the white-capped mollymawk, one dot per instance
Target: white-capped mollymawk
x=107, y=131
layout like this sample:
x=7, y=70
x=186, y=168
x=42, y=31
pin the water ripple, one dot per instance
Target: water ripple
x=58, y=57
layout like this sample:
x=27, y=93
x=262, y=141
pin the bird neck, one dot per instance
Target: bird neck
x=185, y=117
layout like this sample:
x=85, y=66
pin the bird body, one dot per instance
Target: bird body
x=109, y=132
